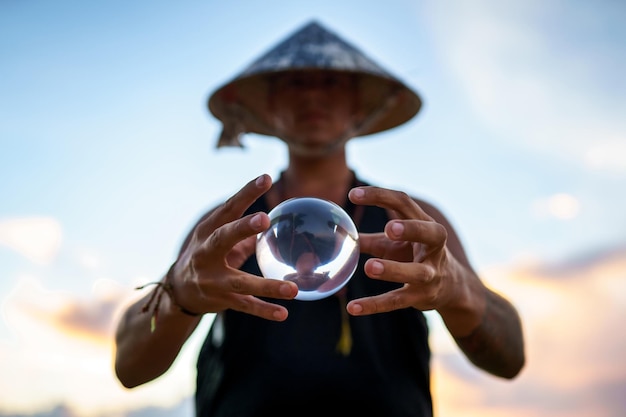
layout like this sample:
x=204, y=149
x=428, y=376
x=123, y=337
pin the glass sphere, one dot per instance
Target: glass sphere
x=311, y=242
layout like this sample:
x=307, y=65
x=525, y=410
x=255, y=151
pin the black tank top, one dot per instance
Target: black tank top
x=249, y=366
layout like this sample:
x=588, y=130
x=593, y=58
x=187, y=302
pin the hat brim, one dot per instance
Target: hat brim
x=250, y=95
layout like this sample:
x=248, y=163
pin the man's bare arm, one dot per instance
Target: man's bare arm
x=496, y=345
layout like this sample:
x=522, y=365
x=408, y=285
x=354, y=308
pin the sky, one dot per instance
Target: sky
x=107, y=157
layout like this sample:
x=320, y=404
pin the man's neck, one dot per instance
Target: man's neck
x=328, y=178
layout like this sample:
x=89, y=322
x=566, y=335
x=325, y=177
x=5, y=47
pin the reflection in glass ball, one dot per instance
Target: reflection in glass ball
x=311, y=242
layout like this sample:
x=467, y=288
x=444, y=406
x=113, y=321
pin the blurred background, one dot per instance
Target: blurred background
x=107, y=157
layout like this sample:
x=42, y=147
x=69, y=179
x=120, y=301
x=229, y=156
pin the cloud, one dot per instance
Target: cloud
x=56, y=411
x=561, y=206
x=80, y=317
x=545, y=75
x=60, y=349
x=184, y=408
x=573, y=314
x=87, y=318
x=36, y=238
x=604, y=262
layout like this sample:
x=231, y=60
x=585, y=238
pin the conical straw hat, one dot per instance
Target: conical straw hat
x=242, y=103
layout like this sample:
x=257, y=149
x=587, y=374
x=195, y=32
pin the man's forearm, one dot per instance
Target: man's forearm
x=497, y=344
x=143, y=353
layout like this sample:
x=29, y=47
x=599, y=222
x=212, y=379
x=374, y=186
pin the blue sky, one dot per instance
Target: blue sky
x=107, y=156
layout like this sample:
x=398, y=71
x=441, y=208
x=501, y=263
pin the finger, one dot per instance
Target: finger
x=380, y=246
x=427, y=232
x=374, y=244
x=225, y=237
x=236, y=205
x=383, y=303
x=254, y=306
x=241, y=251
x=400, y=272
x=398, y=201
x=423, y=298
x=248, y=284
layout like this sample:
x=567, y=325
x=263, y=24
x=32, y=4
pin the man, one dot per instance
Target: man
x=363, y=351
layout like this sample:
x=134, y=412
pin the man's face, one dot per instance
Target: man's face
x=315, y=109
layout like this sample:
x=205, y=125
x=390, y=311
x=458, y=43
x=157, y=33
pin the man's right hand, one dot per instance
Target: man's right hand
x=206, y=277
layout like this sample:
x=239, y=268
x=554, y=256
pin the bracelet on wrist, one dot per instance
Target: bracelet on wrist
x=155, y=299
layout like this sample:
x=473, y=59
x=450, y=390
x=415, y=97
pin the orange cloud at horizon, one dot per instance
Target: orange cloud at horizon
x=575, y=343
x=60, y=354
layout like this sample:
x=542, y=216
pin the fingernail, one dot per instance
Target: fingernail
x=397, y=228
x=356, y=308
x=279, y=315
x=255, y=221
x=260, y=181
x=376, y=267
x=357, y=193
x=285, y=290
